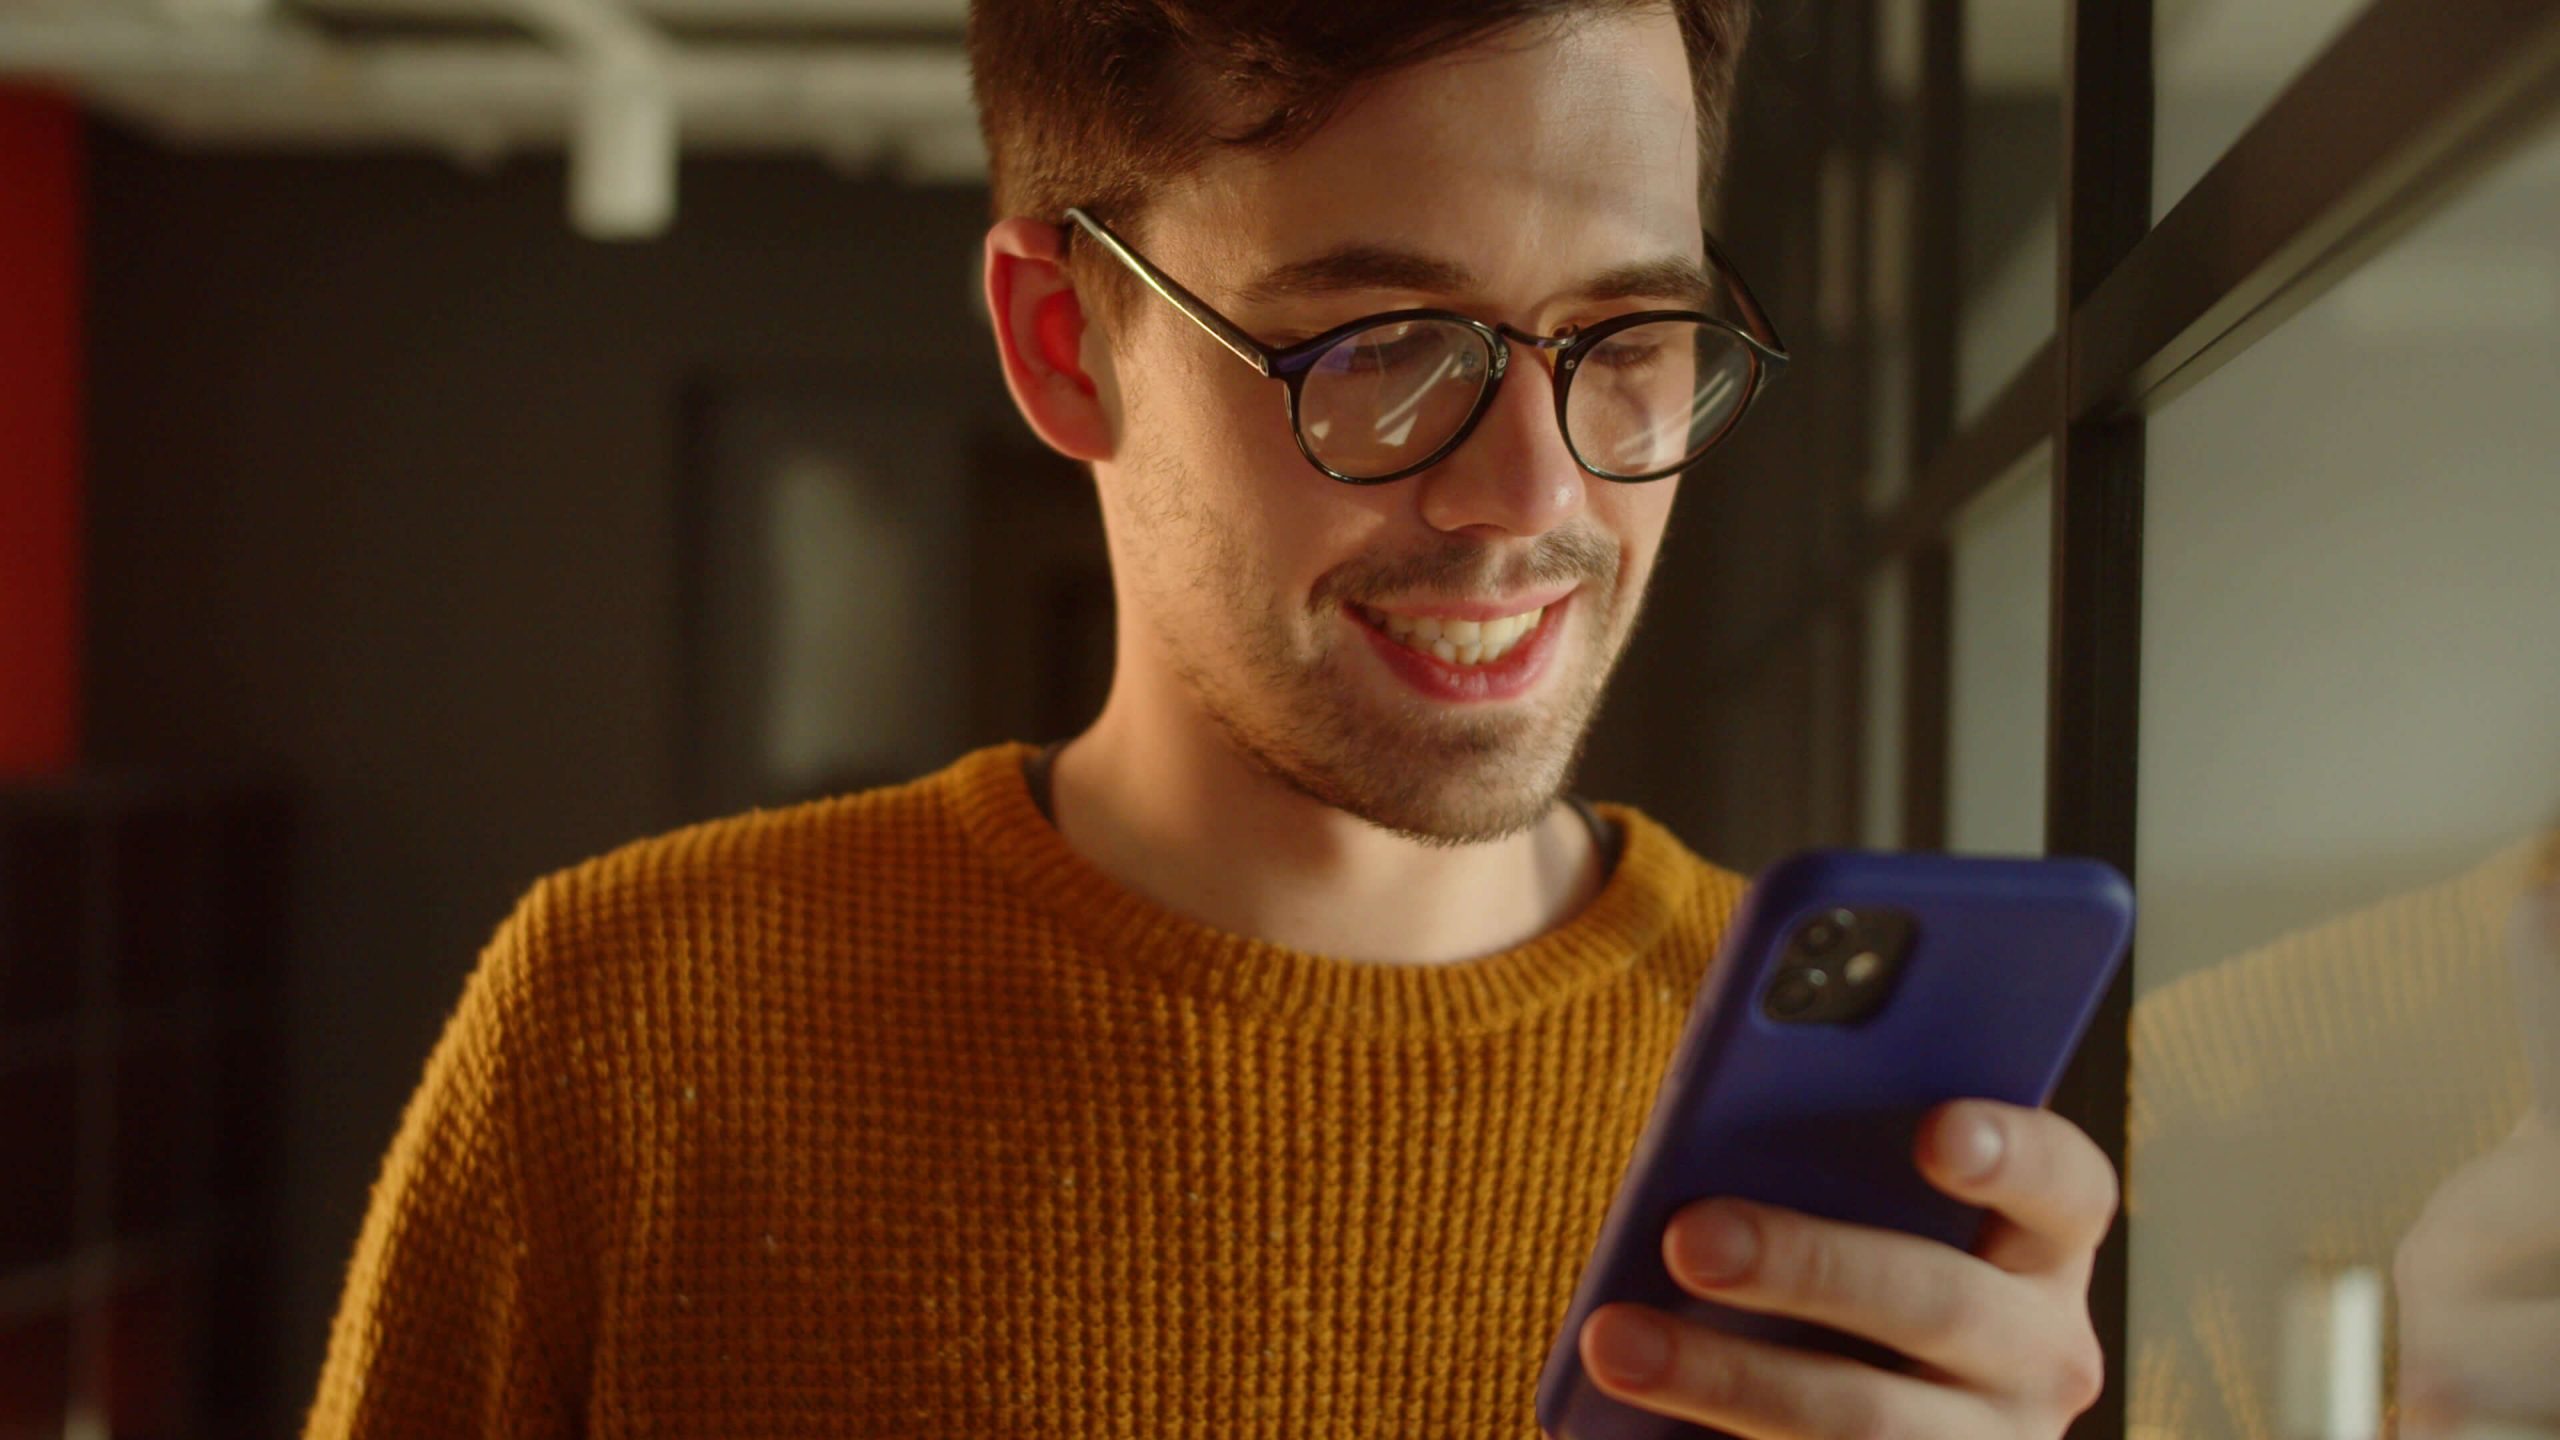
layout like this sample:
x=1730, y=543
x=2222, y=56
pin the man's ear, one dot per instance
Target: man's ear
x=1040, y=333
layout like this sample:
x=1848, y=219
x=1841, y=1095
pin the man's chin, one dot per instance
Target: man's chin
x=1452, y=829
x=1442, y=800
x=1429, y=774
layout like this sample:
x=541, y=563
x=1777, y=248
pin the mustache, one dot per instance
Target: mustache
x=1457, y=567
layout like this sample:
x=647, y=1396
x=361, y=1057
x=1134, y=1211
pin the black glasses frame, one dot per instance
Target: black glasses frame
x=1290, y=364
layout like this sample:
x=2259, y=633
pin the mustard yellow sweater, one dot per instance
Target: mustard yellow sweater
x=889, y=1116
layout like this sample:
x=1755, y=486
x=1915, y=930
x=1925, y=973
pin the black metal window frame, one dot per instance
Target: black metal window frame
x=2407, y=103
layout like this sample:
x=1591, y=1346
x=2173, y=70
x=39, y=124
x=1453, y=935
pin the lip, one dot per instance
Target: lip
x=1515, y=674
x=1476, y=609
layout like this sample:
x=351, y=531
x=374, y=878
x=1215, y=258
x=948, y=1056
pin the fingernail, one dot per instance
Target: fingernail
x=1976, y=1148
x=1628, y=1347
x=1713, y=1245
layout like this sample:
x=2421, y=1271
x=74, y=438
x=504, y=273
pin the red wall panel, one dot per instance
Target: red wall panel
x=40, y=416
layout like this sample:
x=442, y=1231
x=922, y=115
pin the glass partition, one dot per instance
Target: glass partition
x=2011, y=215
x=1997, y=664
x=2215, y=65
x=2350, y=779
x=1894, y=212
x=1881, y=762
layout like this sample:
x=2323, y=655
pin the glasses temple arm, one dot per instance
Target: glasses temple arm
x=1753, y=316
x=1219, y=327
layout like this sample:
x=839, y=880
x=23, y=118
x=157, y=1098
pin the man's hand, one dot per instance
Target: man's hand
x=2479, y=1283
x=2000, y=1341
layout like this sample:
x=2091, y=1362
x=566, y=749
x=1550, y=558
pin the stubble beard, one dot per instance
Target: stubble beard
x=1280, y=683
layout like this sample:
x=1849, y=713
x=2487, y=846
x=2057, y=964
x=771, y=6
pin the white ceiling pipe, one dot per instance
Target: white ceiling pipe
x=217, y=12
x=480, y=100
x=622, y=153
x=274, y=83
x=909, y=14
x=851, y=141
x=132, y=45
x=623, y=134
x=600, y=30
x=273, y=62
x=810, y=12
x=526, y=84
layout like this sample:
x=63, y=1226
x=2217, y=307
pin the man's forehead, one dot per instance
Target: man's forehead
x=1560, y=164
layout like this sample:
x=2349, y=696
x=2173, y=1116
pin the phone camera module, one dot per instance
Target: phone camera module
x=1824, y=932
x=1794, y=995
x=1841, y=968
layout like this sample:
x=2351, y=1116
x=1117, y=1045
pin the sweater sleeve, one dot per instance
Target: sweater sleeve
x=457, y=1318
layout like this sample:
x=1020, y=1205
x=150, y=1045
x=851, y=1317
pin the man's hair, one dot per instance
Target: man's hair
x=1099, y=102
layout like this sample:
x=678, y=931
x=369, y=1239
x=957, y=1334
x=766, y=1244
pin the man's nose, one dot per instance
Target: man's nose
x=1514, y=475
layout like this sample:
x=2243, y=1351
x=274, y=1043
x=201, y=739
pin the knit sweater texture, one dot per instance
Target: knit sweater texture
x=890, y=1115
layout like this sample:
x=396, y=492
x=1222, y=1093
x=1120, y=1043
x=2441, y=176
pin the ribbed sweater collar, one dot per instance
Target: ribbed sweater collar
x=992, y=802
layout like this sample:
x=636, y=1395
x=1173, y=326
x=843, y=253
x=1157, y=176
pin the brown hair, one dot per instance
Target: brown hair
x=1097, y=102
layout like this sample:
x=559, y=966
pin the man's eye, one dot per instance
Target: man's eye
x=1627, y=357
x=1398, y=354
x=1390, y=354
x=1281, y=337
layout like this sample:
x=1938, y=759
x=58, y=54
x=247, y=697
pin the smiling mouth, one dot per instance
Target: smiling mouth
x=1457, y=642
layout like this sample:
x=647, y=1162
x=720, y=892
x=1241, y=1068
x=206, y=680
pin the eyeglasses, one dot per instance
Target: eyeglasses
x=1379, y=398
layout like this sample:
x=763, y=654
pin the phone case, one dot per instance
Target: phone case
x=2005, y=963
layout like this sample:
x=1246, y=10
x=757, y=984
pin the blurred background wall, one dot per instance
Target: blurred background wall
x=388, y=490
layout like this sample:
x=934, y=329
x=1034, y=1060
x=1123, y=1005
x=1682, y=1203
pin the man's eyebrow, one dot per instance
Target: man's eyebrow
x=1673, y=277
x=1377, y=267
x=1359, y=267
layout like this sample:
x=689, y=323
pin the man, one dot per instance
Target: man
x=1261, y=1061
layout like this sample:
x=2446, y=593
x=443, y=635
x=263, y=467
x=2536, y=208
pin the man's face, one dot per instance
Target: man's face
x=1497, y=182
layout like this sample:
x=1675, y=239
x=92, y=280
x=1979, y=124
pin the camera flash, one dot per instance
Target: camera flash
x=1862, y=967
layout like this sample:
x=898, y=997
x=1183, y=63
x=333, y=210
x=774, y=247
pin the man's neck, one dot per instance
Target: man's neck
x=1188, y=823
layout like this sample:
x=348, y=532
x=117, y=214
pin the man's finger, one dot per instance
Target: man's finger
x=1927, y=1301
x=2034, y=1170
x=1758, y=1391
x=2492, y=1221
x=2491, y=1361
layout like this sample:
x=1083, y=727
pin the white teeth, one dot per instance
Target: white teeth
x=1459, y=642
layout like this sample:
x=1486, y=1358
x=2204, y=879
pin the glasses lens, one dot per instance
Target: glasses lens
x=1385, y=398
x=1653, y=397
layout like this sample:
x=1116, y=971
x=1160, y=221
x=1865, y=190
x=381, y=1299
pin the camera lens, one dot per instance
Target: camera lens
x=1793, y=995
x=1826, y=931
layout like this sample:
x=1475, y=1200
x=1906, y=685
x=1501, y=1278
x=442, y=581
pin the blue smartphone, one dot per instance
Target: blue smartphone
x=1854, y=992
